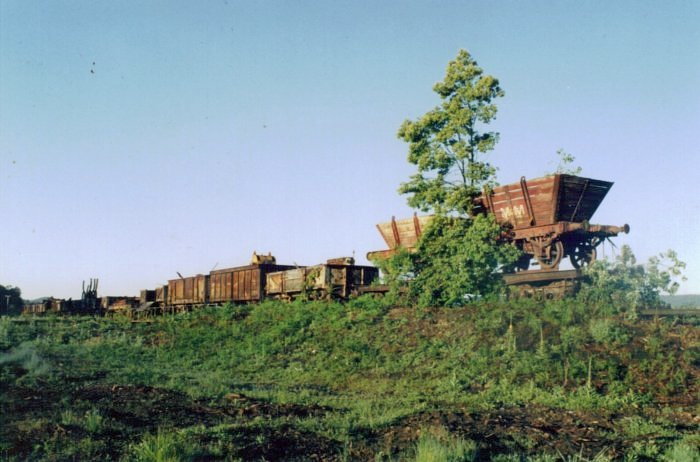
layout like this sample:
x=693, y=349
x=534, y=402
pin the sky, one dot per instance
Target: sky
x=141, y=139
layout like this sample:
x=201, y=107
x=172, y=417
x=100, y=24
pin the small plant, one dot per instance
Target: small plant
x=164, y=446
x=566, y=163
x=68, y=417
x=440, y=446
x=682, y=452
x=93, y=421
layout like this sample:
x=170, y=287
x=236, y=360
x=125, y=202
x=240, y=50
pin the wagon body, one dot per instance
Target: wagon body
x=329, y=280
x=188, y=291
x=402, y=234
x=115, y=304
x=548, y=218
x=545, y=201
x=241, y=284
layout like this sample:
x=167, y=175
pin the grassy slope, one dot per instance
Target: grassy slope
x=354, y=382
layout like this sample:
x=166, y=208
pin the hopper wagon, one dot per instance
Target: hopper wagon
x=548, y=218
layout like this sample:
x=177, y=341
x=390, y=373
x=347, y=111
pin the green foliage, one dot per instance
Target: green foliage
x=10, y=300
x=93, y=421
x=436, y=445
x=164, y=446
x=459, y=258
x=459, y=254
x=446, y=144
x=566, y=163
x=686, y=450
x=338, y=373
x=623, y=285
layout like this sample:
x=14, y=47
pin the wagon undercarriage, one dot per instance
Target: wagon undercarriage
x=549, y=245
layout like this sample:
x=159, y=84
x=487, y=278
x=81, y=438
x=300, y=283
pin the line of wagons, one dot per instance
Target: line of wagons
x=546, y=218
x=263, y=278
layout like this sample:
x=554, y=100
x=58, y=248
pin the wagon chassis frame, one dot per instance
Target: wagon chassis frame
x=549, y=244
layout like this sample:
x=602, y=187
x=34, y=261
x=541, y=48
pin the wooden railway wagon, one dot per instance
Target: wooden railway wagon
x=187, y=292
x=549, y=218
x=337, y=278
x=243, y=284
x=400, y=233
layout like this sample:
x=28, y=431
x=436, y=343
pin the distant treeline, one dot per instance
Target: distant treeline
x=677, y=301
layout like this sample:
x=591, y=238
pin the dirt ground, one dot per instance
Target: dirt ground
x=30, y=415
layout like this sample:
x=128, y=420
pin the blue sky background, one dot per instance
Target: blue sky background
x=138, y=139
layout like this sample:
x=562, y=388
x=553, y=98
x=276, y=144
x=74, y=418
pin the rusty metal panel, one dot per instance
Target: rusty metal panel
x=339, y=280
x=274, y=283
x=161, y=294
x=147, y=295
x=524, y=204
x=188, y=291
x=403, y=233
x=279, y=283
x=579, y=198
x=241, y=284
x=546, y=201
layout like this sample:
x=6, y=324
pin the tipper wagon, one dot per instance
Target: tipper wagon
x=548, y=218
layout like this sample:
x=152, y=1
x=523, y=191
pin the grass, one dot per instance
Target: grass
x=436, y=445
x=356, y=381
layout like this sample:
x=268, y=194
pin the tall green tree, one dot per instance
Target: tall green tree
x=447, y=144
x=460, y=253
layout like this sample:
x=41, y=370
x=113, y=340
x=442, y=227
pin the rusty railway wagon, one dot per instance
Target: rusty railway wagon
x=244, y=284
x=337, y=278
x=548, y=218
x=262, y=278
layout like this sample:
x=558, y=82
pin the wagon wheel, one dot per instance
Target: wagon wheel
x=552, y=255
x=583, y=255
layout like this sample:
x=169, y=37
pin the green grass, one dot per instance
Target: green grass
x=438, y=446
x=350, y=376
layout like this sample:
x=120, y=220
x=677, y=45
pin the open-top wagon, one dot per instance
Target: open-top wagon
x=548, y=218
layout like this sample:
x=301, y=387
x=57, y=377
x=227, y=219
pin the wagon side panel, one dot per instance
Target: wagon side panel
x=524, y=204
x=579, y=198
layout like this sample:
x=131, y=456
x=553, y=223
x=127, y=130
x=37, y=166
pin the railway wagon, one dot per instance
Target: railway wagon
x=115, y=304
x=187, y=292
x=400, y=234
x=549, y=218
x=337, y=278
x=242, y=284
x=41, y=307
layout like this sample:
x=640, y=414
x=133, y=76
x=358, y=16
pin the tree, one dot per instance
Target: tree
x=460, y=253
x=446, y=144
x=10, y=300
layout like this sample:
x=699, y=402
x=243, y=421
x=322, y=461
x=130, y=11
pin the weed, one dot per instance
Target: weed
x=164, y=446
x=438, y=446
x=93, y=421
x=682, y=452
x=69, y=417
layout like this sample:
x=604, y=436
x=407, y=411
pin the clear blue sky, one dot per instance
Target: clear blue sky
x=138, y=139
